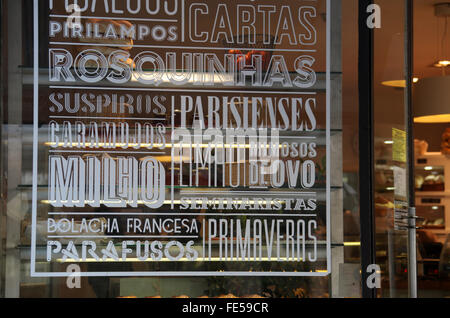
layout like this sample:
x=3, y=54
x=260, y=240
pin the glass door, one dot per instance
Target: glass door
x=393, y=223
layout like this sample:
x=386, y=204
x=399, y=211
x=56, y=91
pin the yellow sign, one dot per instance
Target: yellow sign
x=399, y=146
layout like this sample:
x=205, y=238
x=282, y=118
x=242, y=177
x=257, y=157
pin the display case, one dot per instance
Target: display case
x=432, y=181
x=430, y=178
x=432, y=216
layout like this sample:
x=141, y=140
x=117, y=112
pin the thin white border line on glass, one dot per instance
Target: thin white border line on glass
x=108, y=151
x=124, y=236
x=328, y=133
x=102, y=118
x=186, y=274
x=281, y=137
x=178, y=47
x=298, y=137
x=35, y=137
x=181, y=90
x=183, y=23
x=179, y=214
x=112, y=18
x=172, y=154
x=174, y=274
x=246, y=192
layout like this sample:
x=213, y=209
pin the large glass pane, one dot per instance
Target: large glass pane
x=431, y=131
x=390, y=150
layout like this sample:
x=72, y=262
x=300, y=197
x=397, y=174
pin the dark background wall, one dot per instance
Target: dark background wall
x=431, y=133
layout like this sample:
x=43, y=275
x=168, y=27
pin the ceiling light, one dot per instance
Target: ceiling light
x=352, y=243
x=431, y=98
x=442, y=63
x=442, y=10
x=398, y=83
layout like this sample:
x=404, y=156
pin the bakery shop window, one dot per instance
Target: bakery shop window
x=180, y=149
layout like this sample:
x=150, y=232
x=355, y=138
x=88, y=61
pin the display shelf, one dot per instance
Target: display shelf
x=432, y=172
x=445, y=194
x=44, y=186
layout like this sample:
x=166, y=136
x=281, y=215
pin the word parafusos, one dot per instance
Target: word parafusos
x=154, y=250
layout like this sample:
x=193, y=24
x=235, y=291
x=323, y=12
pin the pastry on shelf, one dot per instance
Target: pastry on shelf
x=382, y=202
x=433, y=183
x=445, y=145
x=420, y=147
x=253, y=296
x=300, y=293
x=419, y=180
x=380, y=178
x=383, y=206
x=227, y=296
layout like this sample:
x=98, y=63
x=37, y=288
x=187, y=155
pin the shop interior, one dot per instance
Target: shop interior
x=432, y=143
x=431, y=112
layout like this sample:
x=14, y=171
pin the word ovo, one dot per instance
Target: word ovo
x=112, y=182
